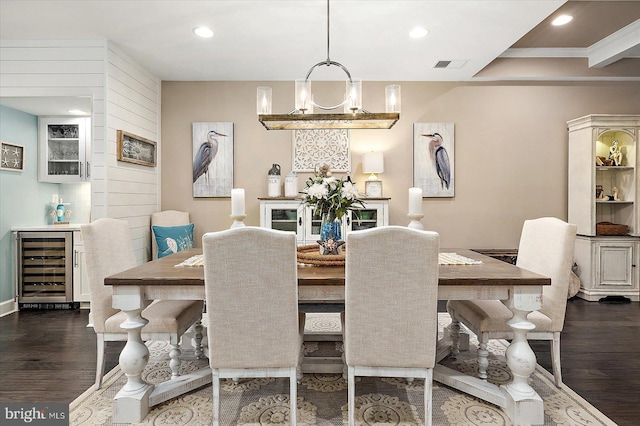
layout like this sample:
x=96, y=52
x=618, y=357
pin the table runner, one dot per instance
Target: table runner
x=443, y=259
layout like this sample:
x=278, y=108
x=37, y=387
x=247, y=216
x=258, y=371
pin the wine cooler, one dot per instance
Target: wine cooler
x=44, y=269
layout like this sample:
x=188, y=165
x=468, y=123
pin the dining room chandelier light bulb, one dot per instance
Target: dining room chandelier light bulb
x=263, y=100
x=354, y=116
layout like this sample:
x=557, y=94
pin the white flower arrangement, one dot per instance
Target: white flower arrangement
x=330, y=197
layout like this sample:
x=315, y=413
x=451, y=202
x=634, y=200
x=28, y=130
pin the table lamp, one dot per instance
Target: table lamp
x=373, y=162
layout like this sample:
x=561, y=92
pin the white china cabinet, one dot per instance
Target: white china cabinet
x=288, y=214
x=603, y=187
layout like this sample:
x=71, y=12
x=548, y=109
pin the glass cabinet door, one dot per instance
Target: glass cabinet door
x=313, y=225
x=63, y=149
x=365, y=219
x=285, y=217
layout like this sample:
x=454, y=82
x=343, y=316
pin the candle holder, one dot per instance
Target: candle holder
x=415, y=221
x=238, y=221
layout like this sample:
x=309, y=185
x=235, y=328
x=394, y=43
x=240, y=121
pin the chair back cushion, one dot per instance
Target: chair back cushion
x=108, y=249
x=166, y=218
x=391, y=295
x=546, y=247
x=251, y=284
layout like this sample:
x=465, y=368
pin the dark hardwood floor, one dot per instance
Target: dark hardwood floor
x=49, y=356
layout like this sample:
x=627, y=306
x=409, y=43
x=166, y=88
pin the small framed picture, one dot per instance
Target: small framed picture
x=373, y=188
x=136, y=149
x=11, y=157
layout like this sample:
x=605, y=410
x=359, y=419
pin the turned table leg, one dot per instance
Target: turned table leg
x=131, y=404
x=524, y=405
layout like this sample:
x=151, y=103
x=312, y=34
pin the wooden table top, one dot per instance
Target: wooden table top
x=490, y=272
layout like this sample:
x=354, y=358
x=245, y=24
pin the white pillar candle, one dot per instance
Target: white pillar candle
x=237, y=202
x=415, y=201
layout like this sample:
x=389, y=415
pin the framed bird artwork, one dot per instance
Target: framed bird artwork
x=433, y=159
x=212, y=159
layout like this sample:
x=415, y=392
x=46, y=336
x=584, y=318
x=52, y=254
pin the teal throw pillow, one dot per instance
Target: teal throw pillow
x=172, y=239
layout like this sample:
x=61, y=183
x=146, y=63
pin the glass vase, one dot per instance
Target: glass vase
x=329, y=227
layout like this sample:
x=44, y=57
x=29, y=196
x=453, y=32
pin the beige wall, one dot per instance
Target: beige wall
x=510, y=149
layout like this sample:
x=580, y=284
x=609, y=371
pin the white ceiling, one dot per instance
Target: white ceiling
x=282, y=39
x=265, y=40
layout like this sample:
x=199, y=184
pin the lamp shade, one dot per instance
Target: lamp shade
x=392, y=98
x=263, y=100
x=372, y=162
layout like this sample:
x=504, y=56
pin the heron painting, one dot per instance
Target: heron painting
x=212, y=159
x=433, y=152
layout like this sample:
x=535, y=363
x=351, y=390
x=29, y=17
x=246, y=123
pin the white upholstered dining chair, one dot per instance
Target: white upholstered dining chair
x=546, y=247
x=108, y=250
x=254, y=328
x=166, y=218
x=391, y=296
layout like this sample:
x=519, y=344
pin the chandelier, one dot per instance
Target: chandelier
x=353, y=116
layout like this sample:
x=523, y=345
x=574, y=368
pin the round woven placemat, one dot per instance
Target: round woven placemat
x=310, y=255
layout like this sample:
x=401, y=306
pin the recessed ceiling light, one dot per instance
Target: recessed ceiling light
x=418, y=32
x=561, y=20
x=77, y=112
x=204, y=32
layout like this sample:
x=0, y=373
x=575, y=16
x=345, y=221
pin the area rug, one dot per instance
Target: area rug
x=322, y=398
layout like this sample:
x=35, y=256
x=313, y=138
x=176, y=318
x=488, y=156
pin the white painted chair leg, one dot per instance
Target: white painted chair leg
x=293, y=397
x=555, y=359
x=483, y=354
x=100, y=359
x=215, y=384
x=428, y=397
x=299, y=374
x=174, y=364
x=351, y=384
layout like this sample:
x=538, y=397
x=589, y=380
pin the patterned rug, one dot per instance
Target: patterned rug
x=322, y=398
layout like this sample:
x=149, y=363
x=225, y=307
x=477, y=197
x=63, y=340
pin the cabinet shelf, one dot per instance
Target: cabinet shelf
x=613, y=202
x=615, y=168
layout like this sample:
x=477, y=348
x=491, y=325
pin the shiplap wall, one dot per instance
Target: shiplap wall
x=133, y=105
x=124, y=97
x=40, y=68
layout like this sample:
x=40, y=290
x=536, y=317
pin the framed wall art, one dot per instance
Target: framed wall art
x=136, y=149
x=433, y=159
x=313, y=148
x=212, y=159
x=11, y=157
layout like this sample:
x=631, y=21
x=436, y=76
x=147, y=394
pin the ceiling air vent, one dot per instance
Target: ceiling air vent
x=453, y=64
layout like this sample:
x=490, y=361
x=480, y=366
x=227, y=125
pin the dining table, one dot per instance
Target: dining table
x=483, y=277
